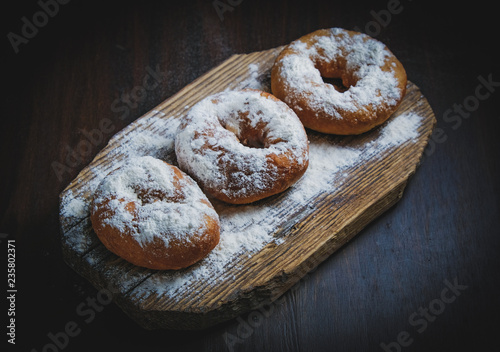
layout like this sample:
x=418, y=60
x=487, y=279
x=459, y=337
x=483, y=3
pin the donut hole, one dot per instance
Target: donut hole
x=336, y=82
x=336, y=74
x=253, y=143
x=248, y=135
x=148, y=196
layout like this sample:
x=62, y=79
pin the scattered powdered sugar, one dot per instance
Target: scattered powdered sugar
x=325, y=160
x=157, y=142
x=77, y=207
x=399, y=130
x=244, y=231
x=258, y=77
x=252, y=81
x=247, y=229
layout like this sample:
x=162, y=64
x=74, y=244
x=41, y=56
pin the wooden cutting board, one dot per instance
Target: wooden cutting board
x=299, y=232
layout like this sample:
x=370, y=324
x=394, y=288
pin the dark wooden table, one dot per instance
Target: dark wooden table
x=422, y=277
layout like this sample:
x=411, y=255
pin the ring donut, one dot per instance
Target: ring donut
x=242, y=146
x=153, y=215
x=373, y=81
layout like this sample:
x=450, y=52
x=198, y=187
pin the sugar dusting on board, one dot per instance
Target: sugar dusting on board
x=399, y=130
x=245, y=230
x=258, y=77
x=158, y=142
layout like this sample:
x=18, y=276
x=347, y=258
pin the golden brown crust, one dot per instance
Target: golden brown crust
x=358, y=121
x=154, y=254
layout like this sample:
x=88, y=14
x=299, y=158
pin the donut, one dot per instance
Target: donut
x=153, y=215
x=242, y=146
x=373, y=81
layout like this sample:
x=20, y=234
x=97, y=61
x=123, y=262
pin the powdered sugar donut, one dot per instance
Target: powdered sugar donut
x=242, y=146
x=374, y=81
x=153, y=215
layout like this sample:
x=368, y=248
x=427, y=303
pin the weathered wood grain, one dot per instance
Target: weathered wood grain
x=308, y=235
